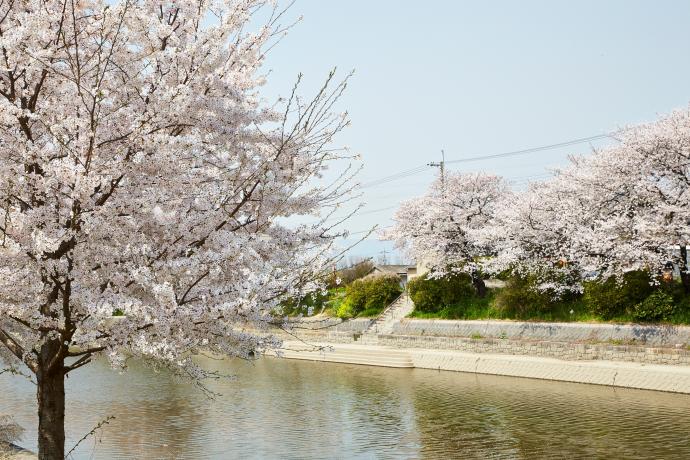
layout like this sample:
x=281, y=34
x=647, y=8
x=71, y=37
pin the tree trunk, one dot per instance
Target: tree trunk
x=684, y=273
x=478, y=284
x=51, y=403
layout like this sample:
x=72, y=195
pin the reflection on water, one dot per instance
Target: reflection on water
x=295, y=409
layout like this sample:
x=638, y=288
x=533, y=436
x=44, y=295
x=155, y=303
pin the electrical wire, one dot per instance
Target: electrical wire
x=515, y=181
x=424, y=168
x=533, y=149
x=394, y=177
x=360, y=232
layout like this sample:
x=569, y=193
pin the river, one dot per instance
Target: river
x=276, y=408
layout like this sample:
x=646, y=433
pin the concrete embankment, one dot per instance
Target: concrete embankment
x=652, y=357
x=570, y=351
x=620, y=374
x=644, y=334
x=347, y=354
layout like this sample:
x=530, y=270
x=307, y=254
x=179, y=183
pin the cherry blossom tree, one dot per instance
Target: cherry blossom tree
x=623, y=208
x=531, y=234
x=639, y=189
x=140, y=170
x=440, y=228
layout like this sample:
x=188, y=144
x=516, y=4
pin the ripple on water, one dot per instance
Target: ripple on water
x=295, y=409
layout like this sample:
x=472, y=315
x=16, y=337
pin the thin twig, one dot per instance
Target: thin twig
x=92, y=432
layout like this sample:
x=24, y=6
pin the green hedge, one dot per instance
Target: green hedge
x=311, y=303
x=522, y=296
x=431, y=295
x=612, y=297
x=371, y=295
x=659, y=306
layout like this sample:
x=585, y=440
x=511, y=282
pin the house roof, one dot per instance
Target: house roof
x=397, y=269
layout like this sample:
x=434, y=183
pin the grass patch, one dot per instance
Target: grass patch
x=469, y=308
x=485, y=308
x=370, y=313
x=682, y=315
x=336, y=298
x=474, y=308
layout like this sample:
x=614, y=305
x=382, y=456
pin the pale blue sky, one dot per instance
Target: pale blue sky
x=483, y=77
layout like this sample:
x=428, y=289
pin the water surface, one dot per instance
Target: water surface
x=304, y=410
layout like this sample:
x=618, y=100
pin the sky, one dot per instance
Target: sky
x=483, y=77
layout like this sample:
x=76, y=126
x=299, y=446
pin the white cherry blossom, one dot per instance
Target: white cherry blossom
x=141, y=170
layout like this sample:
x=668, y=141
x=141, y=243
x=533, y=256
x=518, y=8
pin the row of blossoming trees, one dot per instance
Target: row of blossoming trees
x=622, y=209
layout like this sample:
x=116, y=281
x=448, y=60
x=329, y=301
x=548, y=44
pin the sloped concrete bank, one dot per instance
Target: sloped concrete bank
x=675, y=379
x=651, y=357
x=620, y=374
x=347, y=354
x=647, y=344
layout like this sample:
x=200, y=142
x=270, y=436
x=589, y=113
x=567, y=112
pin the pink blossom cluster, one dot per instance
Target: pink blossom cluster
x=142, y=172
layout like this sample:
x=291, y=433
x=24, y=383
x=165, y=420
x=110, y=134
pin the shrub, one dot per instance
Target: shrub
x=682, y=303
x=345, y=309
x=310, y=304
x=658, y=306
x=431, y=295
x=372, y=293
x=522, y=295
x=357, y=271
x=612, y=297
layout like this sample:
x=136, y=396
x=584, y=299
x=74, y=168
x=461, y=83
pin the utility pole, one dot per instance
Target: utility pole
x=442, y=167
x=384, y=260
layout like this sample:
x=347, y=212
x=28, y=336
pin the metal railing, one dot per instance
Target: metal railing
x=375, y=322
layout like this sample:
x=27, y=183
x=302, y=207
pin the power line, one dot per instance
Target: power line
x=357, y=214
x=393, y=177
x=377, y=210
x=534, y=149
x=513, y=181
x=360, y=232
x=425, y=168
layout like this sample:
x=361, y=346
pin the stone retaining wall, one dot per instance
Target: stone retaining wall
x=316, y=337
x=328, y=324
x=550, y=349
x=665, y=335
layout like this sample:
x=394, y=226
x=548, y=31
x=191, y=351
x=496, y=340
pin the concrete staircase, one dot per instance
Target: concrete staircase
x=349, y=354
x=365, y=350
x=399, y=309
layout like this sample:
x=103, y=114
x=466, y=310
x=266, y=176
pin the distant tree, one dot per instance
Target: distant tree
x=440, y=228
x=140, y=170
x=622, y=209
x=641, y=188
x=531, y=232
x=356, y=271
